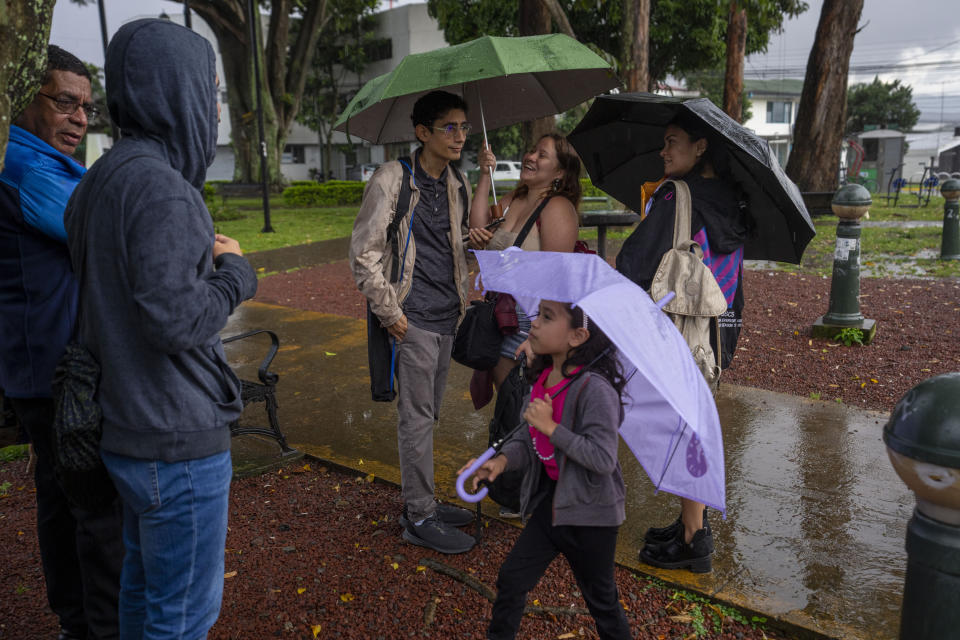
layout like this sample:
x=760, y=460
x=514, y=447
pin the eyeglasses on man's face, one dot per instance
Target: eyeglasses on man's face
x=451, y=129
x=68, y=106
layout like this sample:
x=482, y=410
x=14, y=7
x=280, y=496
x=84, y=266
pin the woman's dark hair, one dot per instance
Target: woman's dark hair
x=569, y=162
x=716, y=153
x=431, y=107
x=598, y=350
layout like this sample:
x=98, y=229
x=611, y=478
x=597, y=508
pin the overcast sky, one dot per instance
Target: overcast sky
x=924, y=34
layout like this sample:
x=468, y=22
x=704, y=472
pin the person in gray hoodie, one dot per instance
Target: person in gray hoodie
x=156, y=287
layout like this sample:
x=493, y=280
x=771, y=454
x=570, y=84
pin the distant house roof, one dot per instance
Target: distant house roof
x=773, y=88
x=881, y=133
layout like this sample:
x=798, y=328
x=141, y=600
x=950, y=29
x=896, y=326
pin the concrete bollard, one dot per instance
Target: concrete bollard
x=950, y=241
x=923, y=442
x=850, y=203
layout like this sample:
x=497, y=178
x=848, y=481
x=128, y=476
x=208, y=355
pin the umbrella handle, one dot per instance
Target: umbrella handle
x=662, y=302
x=469, y=471
x=483, y=124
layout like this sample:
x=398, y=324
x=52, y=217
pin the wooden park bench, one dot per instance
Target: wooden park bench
x=265, y=391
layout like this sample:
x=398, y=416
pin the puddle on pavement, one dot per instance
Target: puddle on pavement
x=816, y=516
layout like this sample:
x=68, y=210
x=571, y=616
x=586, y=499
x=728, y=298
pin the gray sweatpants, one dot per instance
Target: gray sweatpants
x=423, y=360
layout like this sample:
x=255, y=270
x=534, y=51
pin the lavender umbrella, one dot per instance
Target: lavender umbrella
x=671, y=423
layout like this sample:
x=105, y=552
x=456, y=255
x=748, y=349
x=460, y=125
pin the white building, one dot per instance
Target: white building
x=774, y=112
x=400, y=31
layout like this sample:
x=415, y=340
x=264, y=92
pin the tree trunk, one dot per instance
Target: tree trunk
x=535, y=20
x=636, y=43
x=283, y=71
x=736, y=50
x=24, y=30
x=814, y=163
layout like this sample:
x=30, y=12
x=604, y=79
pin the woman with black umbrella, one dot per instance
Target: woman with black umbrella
x=720, y=226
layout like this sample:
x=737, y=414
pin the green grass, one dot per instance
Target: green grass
x=884, y=251
x=13, y=452
x=291, y=226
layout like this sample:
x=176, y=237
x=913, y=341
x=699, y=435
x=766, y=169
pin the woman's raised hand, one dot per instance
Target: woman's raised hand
x=486, y=160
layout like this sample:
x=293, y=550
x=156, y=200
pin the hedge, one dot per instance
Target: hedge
x=331, y=193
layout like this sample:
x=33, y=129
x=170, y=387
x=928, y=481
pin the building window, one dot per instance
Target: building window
x=379, y=49
x=779, y=112
x=781, y=150
x=871, y=149
x=293, y=154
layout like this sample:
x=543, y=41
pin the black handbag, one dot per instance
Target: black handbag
x=507, y=414
x=477, y=342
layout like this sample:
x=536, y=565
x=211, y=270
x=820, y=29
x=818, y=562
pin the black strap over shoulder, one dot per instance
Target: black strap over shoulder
x=532, y=220
x=403, y=207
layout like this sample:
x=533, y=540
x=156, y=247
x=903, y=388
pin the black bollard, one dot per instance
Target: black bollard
x=923, y=442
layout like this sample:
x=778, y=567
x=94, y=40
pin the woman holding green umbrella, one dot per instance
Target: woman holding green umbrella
x=720, y=226
x=544, y=202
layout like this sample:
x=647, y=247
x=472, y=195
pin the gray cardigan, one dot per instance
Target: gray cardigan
x=590, y=489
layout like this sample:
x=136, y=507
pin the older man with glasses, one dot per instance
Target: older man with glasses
x=81, y=549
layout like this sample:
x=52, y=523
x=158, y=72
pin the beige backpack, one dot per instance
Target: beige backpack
x=699, y=300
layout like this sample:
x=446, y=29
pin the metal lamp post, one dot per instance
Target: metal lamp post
x=850, y=203
x=264, y=178
x=950, y=242
x=923, y=442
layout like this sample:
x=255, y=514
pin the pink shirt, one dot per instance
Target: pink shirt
x=541, y=443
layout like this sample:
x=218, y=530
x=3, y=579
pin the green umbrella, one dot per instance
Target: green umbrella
x=508, y=80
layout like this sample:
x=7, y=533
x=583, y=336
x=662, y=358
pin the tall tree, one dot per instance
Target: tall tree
x=814, y=162
x=343, y=49
x=635, y=57
x=24, y=31
x=888, y=105
x=736, y=53
x=535, y=19
x=286, y=54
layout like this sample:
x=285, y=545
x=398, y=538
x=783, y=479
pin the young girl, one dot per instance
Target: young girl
x=573, y=488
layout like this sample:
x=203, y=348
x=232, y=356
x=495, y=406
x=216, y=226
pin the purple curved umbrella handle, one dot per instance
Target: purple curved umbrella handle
x=469, y=471
x=662, y=302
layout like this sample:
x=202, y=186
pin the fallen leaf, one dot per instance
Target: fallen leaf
x=347, y=597
x=229, y=574
x=566, y=636
x=536, y=602
x=301, y=590
x=370, y=478
x=874, y=381
x=306, y=467
x=329, y=353
x=420, y=568
x=316, y=630
x=395, y=566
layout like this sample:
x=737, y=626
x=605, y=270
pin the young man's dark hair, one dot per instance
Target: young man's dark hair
x=432, y=106
x=60, y=60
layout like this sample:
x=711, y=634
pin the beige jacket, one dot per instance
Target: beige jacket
x=371, y=254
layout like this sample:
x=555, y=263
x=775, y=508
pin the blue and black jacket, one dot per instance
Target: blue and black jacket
x=38, y=293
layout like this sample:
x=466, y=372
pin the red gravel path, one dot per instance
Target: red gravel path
x=311, y=547
x=918, y=333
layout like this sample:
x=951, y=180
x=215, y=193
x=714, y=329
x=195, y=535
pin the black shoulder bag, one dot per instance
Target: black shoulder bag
x=477, y=343
x=380, y=347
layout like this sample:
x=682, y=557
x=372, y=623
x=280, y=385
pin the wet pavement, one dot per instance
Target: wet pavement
x=816, y=516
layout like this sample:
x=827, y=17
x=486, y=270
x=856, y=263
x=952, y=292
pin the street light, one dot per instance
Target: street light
x=254, y=46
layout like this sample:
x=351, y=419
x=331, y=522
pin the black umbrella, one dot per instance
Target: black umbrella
x=620, y=140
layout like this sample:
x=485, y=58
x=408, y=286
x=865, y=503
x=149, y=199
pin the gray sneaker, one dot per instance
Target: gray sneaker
x=436, y=534
x=453, y=515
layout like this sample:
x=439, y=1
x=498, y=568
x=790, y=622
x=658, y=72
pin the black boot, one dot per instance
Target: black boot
x=660, y=535
x=677, y=554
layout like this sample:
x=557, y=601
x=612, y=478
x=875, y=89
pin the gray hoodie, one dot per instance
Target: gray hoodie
x=140, y=237
x=590, y=490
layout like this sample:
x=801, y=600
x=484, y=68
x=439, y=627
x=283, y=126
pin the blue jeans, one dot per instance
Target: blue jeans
x=174, y=530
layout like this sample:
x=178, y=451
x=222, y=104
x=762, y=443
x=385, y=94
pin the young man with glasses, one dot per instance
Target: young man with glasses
x=81, y=549
x=412, y=269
